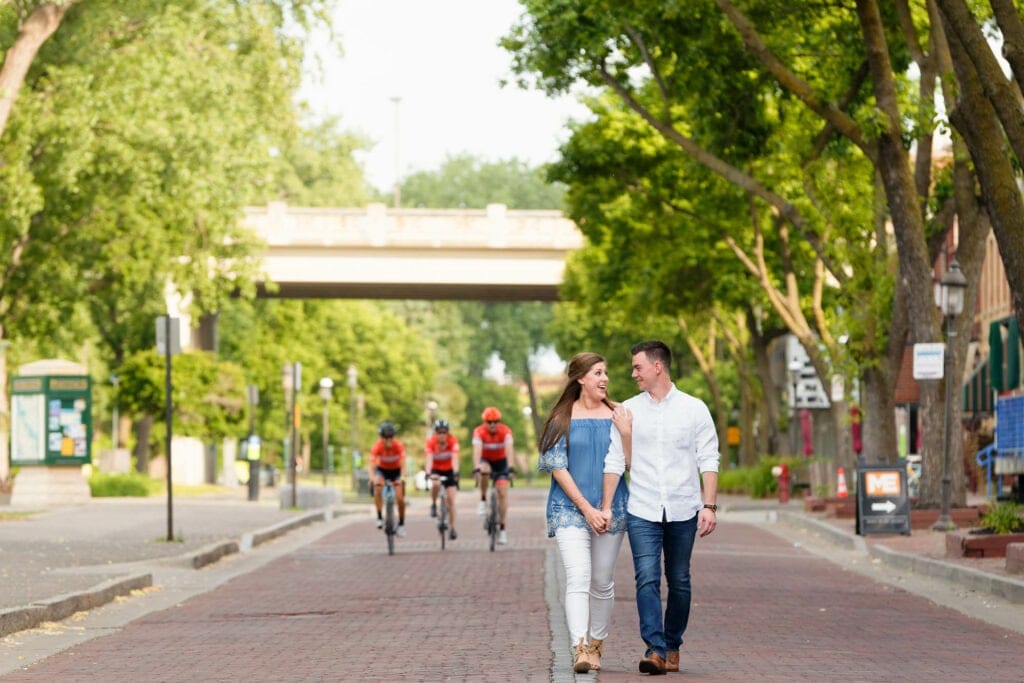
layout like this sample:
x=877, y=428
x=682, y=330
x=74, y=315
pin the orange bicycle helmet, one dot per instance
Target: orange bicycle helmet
x=491, y=414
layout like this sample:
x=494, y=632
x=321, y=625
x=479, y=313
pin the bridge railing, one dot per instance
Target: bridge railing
x=495, y=227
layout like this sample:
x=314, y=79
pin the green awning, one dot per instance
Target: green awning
x=1012, y=355
x=977, y=394
x=995, y=355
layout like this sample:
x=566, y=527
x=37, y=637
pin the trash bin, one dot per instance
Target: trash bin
x=363, y=483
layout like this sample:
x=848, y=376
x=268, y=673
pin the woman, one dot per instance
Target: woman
x=586, y=510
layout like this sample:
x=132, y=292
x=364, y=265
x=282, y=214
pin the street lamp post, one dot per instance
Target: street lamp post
x=353, y=381
x=398, y=167
x=326, y=384
x=528, y=418
x=949, y=297
x=431, y=412
x=251, y=449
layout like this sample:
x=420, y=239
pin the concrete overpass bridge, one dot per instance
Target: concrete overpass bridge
x=380, y=253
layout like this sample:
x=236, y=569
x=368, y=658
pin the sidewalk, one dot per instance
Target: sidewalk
x=59, y=561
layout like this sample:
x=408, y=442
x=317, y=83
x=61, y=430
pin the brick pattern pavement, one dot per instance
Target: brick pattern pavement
x=340, y=609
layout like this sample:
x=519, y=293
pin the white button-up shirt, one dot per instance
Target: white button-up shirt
x=674, y=441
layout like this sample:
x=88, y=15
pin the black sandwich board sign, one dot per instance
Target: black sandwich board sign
x=882, y=503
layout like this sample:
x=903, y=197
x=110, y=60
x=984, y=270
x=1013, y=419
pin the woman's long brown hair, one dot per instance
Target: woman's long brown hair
x=557, y=424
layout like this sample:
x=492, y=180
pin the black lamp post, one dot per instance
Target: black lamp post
x=949, y=297
x=353, y=381
x=326, y=384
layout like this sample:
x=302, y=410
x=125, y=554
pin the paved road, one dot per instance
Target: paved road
x=326, y=603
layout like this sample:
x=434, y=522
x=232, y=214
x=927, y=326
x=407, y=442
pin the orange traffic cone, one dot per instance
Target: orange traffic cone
x=841, y=486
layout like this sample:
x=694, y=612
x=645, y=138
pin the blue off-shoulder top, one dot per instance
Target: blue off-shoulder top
x=589, y=439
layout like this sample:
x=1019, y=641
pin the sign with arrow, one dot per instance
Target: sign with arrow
x=883, y=506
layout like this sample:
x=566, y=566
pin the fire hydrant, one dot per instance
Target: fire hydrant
x=781, y=472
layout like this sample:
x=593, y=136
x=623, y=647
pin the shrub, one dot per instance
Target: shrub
x=1003, y=518
x=136, y=485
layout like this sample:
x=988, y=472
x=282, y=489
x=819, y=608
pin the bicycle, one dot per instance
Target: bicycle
x=492, y=521
x=442, y=514
x=390, y=527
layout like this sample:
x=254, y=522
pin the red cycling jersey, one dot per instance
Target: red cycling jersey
x=442, y=458
x=387, y=458
x=493, y=444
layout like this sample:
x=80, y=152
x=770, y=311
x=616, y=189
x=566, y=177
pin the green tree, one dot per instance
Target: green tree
x=855, y=101
x=396, y=371
x=467, y=182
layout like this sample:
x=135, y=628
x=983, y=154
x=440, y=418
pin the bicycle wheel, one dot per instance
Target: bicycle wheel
x=442, y=516
x=493, y=519
x=389, y=523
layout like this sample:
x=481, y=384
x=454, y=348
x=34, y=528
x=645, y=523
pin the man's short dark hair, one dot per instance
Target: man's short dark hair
x=655, y=351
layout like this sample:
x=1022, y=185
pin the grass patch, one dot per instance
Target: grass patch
x=15, y=516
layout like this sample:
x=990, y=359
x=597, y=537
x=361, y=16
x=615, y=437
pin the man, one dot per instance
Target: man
x=387, y=458
x=674, y=448
x=492, y=447
x=442, y=449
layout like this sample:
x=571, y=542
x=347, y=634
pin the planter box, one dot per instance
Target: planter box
x=841, y=508
x=962, y=517
x=963, y=544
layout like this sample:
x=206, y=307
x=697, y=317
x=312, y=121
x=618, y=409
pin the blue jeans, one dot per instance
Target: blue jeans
x=647, y=540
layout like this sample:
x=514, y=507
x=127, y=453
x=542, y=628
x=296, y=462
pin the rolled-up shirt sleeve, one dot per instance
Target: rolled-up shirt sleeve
x=706, y=442
x=615, y=460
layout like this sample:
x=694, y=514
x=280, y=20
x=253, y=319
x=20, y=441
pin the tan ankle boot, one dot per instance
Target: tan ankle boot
x=581, y=663
x=595, y=651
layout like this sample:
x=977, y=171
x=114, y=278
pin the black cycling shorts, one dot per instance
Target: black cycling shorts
x=448, y=477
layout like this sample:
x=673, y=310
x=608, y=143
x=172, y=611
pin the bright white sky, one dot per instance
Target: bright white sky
x=442, y=59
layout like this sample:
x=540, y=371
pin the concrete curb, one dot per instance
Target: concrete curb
x=60, y=607
x=63, y=606
x=966, y=577
x=1003, y=587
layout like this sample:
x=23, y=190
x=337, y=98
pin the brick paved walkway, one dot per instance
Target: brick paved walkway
x=340, y=609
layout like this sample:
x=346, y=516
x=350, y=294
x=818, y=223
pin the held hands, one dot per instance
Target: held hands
x=706, y=522
x=597, y=519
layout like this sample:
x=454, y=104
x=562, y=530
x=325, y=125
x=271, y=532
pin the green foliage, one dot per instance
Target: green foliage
x=396, y=369
x=208, y=394
x=466, y=182
x=1004, y=518
x=110, y=485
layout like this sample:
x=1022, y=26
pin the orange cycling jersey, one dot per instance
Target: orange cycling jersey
x=442, y=458
x=493, y=444
x=387, y=458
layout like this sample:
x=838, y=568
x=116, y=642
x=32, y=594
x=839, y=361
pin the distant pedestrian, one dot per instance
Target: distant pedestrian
x=586, y=509
x=674, y=449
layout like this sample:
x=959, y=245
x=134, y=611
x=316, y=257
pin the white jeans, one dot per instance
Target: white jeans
x=589, y=561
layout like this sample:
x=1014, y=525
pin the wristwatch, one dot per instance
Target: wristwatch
x=712, y=507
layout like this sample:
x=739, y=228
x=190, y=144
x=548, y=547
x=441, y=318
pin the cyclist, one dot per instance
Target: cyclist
x=442, y=449
x=387, y=458
x=492, y=447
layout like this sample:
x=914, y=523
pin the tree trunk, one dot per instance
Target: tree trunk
x=5, y=415
x=39, y=26
x=770, y=442
x=143, y=428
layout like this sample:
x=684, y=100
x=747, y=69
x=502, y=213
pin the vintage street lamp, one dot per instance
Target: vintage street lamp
x=326, y=384
x=353, y=381
x=949, y=297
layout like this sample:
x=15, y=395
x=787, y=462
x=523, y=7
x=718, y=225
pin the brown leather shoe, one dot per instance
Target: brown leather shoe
x=652, y=664
x=672, y=661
